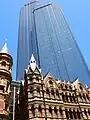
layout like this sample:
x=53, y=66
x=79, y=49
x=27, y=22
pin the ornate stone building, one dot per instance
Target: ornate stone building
x=45, y=98
x=5, y=82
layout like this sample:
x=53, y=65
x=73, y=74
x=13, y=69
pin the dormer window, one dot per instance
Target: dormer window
x=3, y=63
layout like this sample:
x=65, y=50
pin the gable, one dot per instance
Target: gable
x=80, y=86
x=49, y=81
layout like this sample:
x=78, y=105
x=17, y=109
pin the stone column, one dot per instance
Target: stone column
x=64, y=114
x=58, y=113
x=36, y=110
x=47, y=110
x=68, y=112
x=68, y=97
x=53, y=113
x=34, y=91
x=43, y=111
x=56, y=97
x=41, y=94
x=76, y=112
x=60, y=97
x=30, y=112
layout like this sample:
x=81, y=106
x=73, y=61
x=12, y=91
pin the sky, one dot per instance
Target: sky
x=76, y=12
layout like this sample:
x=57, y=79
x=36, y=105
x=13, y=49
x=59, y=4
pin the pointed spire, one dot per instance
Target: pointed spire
x=4, y=48
x=32, y=63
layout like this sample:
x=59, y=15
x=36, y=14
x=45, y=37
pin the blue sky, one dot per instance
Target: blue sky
x=76, y=12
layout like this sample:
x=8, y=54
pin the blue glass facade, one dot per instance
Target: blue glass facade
x=44, y=32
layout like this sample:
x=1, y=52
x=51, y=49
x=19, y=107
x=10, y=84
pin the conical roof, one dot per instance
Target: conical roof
x=4, y=49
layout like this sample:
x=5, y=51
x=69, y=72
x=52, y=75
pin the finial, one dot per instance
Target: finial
x=4, y=48
x=32, y=63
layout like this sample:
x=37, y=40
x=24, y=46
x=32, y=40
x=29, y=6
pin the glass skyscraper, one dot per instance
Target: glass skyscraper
x=44, y=32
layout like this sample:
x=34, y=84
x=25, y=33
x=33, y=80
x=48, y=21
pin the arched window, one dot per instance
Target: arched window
x=60, y=110
x=87, y=96
x=37, y=78
x=74, y=113
x=40, y=109
x=73, y=98
x=55, y=110
x=57, y=93
x=52, y=92
x=31, y=89
x=50, y=110
x=70, y=112
x=38, y=89
x=79, y=114
x=3, y=63
x=33, y=110
x=47, y=91
x=67, y=115
x=80, y=96
x=84, y=97
x=85, y=113
x=81, y=88
x=50, y=82
x=70, y=87
x=66, y=96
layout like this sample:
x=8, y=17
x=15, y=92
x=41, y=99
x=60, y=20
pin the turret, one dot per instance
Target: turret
x=6, y=63
x=34, y=88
